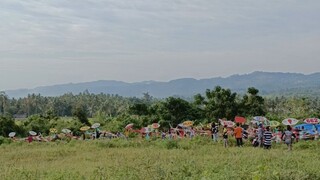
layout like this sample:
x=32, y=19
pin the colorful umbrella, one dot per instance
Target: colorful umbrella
x=32, y=133
x=239, y=119
x=129, y=126
x=312, y=121
x=274, y=123
x=84, y=128
x=66, y=131
x=188, y=123
x=53, y=130
x=290, y=121
x=145, y=130
x=155, y=125
x=12, y=134
x=260, y=118
x=95, y=125
x=227, y=123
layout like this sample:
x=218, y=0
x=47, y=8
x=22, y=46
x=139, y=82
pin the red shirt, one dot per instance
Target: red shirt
x=238, y=132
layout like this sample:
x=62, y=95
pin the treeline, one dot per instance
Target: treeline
x=115, y=111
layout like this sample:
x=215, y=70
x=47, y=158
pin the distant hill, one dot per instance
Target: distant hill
x=268, y=83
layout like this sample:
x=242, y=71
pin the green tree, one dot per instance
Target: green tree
x=252, y=104
x=218, y=103
x=81, y=114
x=8, y=125
x=175, y=111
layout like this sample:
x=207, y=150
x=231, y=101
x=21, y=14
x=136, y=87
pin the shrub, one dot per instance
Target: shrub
x=172, y=145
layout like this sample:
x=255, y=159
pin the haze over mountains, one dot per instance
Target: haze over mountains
x=268, y=83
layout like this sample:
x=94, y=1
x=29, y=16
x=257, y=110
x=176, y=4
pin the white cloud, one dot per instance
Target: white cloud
x=161, y=40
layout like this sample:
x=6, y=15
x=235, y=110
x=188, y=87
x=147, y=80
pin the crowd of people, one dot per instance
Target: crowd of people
x=257, y=135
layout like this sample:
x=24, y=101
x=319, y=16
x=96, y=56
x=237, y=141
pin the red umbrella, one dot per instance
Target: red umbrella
x=239, y=119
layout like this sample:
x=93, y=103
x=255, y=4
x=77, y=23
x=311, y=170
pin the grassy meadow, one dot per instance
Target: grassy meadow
x=157, y=159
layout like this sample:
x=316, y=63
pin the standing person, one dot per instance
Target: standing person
x=214, y=131
x=238, y=134
x=287, y=137
x=163, y=135
x=267, y=138
x=260, y=135
x=170, y=134
x=192, y=133
x=225, y=136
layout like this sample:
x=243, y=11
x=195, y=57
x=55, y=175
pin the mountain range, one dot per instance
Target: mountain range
x=269, y=83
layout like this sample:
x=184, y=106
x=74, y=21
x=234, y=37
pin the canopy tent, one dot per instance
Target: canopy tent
x=308, y=128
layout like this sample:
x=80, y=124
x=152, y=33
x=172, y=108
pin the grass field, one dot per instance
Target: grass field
x=139, y=159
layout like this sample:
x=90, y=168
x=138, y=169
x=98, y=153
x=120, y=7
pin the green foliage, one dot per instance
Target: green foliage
x=252, y=104
x=8, y=125
x=4, y=140
x=176, y=110
x=134, y=159
x=218, y=103
x=172, y=145
x=81, y=113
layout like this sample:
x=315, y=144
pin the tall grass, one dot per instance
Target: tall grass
x=138, y=159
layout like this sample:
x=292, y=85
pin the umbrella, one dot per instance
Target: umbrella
x=129, y=126
x=53, y=130
x=209, y=125
x=66, y=131
x=227, y=123
x=312, y=121
x=259, y=118
x=12, y=134
x=84, y=128
x=182, y=126
x=239, y=119
x=32, y=133
x=274, y=123
x=155, y=125
x=145, y=130
x=95, y=125
x=290, y=121
x=187, y=123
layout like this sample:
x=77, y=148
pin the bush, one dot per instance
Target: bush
x=4, y=140
x=172, y=144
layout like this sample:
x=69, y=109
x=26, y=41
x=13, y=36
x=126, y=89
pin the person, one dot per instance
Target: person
x=316, y=133
x=238, y=134
x=147, y=136
x=163, y=135
x=255, y=142
x=260, y=134
x=29, y=138
x=267, y=135
x=126, y=133
x=296, y=133
x=192, y=133
x=287, y=137
x=214, y=131
x=225, y=136
x=170, y=133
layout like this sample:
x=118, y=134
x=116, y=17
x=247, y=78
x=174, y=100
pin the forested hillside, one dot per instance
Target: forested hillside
x=275, y=84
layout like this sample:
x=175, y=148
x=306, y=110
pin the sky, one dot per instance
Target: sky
x=62, y=41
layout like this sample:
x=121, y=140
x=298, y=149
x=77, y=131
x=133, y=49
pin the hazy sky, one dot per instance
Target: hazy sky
x=60, y=41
